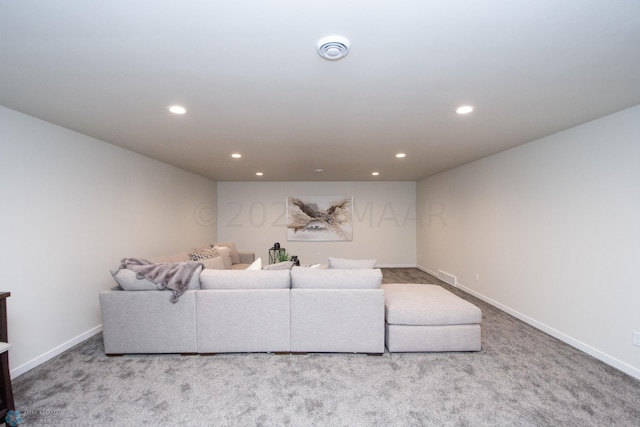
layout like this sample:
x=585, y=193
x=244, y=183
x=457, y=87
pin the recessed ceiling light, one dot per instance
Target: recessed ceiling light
x=465, y=109
x=259, y=173
x=318, y=170
x=176, y=109
x=401, y=155
x=375, y=173
x=333, y=47
x=236, y=155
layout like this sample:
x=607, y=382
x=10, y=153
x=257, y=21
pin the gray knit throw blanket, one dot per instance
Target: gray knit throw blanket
x=174, y=276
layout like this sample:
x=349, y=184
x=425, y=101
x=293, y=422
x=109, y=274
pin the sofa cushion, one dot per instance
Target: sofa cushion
x=247, y=257
x=127, y=279
x=225, y=253
x=245, y=279
x=351, y=263
x=284, y=265
x=179, y=257
x=321, y=278
x=235, y=256
x=427, y=305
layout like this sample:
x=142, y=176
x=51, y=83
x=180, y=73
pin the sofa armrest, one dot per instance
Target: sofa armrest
x=247, y=257
x=147, y=322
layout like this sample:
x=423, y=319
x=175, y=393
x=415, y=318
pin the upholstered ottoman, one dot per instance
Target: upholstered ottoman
x=429, y=318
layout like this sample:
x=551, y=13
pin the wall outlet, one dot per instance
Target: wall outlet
x=636, y=338
x=477, y=277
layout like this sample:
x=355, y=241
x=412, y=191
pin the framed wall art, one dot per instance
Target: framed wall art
x=320, y=218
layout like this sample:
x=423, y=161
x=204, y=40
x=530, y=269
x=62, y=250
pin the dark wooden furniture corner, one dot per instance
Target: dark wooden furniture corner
x=6, y=392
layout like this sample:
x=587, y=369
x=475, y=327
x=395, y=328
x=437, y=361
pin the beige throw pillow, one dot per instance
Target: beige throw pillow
x=225, y=253
x=215, y=263
x=235, y=256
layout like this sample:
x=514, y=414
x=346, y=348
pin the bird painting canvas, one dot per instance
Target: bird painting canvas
x=319, y=218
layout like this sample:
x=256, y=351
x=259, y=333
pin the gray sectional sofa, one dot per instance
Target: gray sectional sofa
x=227, y=311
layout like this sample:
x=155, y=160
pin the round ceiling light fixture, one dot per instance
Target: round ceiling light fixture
x=333, y=47
x=465, y=109
x=177, y=109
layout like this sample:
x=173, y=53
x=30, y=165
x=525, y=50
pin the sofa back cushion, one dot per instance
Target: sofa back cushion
x=245, y=279
x=321, y=278
x=179, y=257
x=128, y=280
x=351, y=263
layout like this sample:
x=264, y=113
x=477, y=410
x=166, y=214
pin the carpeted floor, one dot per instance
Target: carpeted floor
x=522, y=377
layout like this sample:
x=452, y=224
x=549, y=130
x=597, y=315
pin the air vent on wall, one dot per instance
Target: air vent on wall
x=447, y=278
x=333, y=47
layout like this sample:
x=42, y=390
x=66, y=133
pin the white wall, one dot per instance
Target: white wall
x=552, y=228
x=253, y=215
x=72, y=207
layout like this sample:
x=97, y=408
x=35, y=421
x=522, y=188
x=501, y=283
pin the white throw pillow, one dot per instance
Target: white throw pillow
x=256, y=265
x=284, y=265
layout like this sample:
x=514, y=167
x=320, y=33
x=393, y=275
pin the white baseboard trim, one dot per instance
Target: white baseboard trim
x=395, y=266
x=426, y=270
x=14, y=373
x=603, y=357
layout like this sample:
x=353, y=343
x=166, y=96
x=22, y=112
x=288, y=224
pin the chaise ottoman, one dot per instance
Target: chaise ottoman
x=429, y=318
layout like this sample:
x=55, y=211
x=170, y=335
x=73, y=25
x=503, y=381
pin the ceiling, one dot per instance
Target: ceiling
x=250, y=77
